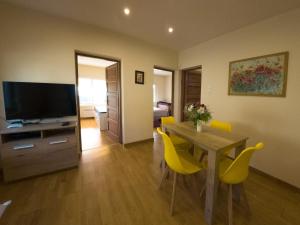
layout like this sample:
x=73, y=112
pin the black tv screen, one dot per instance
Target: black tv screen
x=23, y=100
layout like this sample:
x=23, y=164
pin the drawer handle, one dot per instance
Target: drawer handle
x=25, y=146
x=58, y=142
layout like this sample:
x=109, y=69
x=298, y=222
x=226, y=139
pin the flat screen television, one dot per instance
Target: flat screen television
x=26, y=101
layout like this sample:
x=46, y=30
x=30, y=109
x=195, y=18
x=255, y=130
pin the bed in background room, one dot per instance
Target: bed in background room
x=162, y=109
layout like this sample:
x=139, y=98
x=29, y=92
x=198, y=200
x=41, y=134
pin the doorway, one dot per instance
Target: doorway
x=190, y=87
x=98, y=82
x=163, y=94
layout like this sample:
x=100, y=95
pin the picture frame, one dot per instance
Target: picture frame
x=139, y=77
x=259, y=76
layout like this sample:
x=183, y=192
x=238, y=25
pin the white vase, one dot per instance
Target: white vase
x=199, y=126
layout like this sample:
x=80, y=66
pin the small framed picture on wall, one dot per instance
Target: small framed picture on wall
x=139, y=77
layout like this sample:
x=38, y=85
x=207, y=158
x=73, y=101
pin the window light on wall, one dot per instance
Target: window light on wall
x=154, y=93
x=92, y=91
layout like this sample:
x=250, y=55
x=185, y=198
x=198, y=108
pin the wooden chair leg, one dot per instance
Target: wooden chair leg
x=162, y=164
x=230, y=204
x=168, y=174
x=164, y=176
x=243, y=192
x=173, y=194
x=204, y=186
x=202, y=190
x=191, y=150
x=202, y=156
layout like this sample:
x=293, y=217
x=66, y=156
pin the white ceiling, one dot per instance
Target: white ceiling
x=159, y=72
x=83, y=60
x=194, y=21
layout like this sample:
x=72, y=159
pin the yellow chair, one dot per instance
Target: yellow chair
x=177, y=141
x=180, y=162
x=220, y=125
x=235, y=172
x=225, y=126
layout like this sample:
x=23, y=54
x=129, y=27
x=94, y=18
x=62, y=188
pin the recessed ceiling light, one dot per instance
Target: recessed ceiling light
x=171, y=29
x=126, y=11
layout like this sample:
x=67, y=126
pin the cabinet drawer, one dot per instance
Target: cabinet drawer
x=21, y=148
x=20, y=172
x=64, y=158
x=59, y=142
x=53, y=150
x=23, y=160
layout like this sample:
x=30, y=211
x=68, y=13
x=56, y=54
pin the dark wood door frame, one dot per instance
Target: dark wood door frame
x=183, y=74
x=173, y=77
x=113, y=90
x=81, y=53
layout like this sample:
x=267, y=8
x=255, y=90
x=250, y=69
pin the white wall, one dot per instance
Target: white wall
x=275, y=121
x=40, y=48
x=168, y=90
x=92, y=72
x=95, y=73
x=160, y=83
x=163, y=88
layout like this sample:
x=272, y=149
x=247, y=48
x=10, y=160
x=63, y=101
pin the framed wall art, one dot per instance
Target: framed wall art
x=139, y=77
x=259, y=76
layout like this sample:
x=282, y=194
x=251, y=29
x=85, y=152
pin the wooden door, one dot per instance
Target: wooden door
x=113, y=84
x=191, y=89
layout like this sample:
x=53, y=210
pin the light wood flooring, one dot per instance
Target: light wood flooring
x=119, y=186
x=91, y=137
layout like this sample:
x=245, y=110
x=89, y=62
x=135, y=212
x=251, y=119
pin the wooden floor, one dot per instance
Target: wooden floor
x=91, y=137
x=118, y=186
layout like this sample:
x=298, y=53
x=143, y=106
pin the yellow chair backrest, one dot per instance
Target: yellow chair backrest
x=225, y=126
x=170, y=154
x=167, y=120
x=238, y=171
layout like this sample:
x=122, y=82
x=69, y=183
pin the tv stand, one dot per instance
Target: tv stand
x=15, y=125
x=38, y=149
x=36, y=121
x=65, y=123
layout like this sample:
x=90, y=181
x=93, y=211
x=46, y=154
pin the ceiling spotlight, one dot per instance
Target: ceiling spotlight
x=126, y=11
x=170, y=29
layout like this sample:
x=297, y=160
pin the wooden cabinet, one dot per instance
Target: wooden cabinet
x=38, y=149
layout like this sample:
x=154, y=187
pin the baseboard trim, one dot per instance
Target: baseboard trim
x=138, y=142
x=277, y=180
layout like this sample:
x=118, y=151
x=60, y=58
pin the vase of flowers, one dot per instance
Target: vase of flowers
x=199, y=126
x=198, y=113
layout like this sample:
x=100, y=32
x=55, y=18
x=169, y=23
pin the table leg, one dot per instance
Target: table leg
x=212, y=181
x=237, y=187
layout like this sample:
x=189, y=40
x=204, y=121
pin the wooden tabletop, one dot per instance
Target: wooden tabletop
x=209, y=139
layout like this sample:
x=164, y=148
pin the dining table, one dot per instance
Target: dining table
x=215, y=142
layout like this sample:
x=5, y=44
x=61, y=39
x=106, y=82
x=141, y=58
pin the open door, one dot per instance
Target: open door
x=113, y=120
x=191, y=88
x=113, y=83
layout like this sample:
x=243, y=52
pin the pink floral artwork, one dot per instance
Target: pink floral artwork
x=263, y=75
